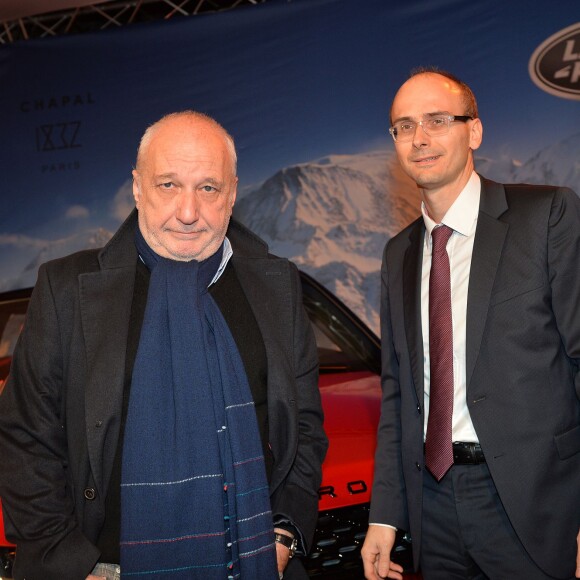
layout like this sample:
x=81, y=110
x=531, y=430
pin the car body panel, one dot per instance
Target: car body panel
x=351, y=403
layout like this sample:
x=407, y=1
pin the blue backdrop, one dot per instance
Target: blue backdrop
x=305, y=88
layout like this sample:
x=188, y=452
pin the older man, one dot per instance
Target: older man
x=162, y=416
x=479, y=439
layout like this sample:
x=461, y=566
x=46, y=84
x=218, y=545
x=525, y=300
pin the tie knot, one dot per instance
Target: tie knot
x=440, y=235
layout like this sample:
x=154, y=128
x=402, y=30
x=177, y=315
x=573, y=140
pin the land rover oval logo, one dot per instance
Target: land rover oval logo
x=555, y=64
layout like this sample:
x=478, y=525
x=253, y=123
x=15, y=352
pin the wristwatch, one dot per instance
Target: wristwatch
x=290, y=543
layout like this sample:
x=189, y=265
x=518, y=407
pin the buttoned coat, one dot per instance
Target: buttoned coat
x=522, y=363
x=60, y=411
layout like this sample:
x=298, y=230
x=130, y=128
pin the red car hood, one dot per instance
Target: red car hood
x=351, y=403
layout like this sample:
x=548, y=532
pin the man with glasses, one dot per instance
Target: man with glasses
x=478, y=452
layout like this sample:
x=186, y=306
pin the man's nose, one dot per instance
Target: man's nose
x=188, y=207
x=420, y=137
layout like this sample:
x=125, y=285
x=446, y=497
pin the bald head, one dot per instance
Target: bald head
x=193, y=119
x=447, y=80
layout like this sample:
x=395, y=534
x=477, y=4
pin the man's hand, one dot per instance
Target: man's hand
x=93, y=577
x=578, y=556
x=282, y=552
x=376, y=554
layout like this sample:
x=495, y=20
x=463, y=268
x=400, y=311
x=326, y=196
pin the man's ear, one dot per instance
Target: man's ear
x=234, y=193
x=476, y=134
x=136, y=188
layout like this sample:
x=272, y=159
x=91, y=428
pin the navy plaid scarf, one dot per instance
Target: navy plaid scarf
x=194, y=495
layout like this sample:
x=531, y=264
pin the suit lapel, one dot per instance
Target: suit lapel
x=262, y=279
x=105, y=305
x=412, y=266
x=489, y=241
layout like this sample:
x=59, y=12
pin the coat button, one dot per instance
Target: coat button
x=90, y=494
x=418, y=465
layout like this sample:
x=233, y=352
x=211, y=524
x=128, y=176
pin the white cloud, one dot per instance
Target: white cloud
x=21, y=241
x=123, y=202
x=77, y=212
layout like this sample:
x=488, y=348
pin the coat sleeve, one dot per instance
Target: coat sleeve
x=296, y=500
x=36, y=493
x=388, y=500
x=564, y=273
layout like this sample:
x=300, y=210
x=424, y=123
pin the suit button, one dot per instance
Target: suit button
x=90, y=494
x=419, y=409
x=418, y=465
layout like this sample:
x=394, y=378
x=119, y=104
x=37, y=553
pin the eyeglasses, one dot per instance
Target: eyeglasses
x=434, y=126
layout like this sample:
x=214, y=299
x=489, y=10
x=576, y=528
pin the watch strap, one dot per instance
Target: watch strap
x=287, y=541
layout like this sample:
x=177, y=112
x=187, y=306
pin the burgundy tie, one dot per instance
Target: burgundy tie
x=438, y=442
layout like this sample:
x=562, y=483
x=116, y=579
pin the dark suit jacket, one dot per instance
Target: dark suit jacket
x=60, y=410
x=523, y=379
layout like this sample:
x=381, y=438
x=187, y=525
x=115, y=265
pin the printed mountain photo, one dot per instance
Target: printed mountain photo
x=331, y=216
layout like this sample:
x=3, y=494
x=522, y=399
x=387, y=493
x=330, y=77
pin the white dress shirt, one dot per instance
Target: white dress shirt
x=462, y=219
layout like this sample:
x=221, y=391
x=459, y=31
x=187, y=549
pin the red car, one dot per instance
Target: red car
x=349, y=355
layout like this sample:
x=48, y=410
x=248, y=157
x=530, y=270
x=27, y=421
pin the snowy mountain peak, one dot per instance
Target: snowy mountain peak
x=333, y=217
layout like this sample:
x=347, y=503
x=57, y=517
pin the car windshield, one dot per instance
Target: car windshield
x=344, y=342
x=10, y=334
x=12, y=313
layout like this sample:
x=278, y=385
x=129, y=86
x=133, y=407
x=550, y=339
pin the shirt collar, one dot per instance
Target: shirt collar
x=461, y=217
x=226, y=255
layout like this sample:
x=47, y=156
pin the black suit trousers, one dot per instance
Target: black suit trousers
x=466, y=531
